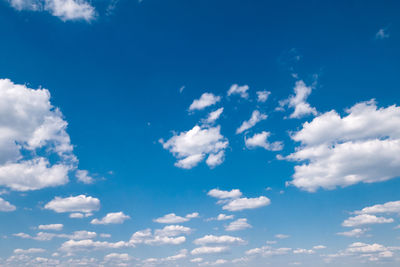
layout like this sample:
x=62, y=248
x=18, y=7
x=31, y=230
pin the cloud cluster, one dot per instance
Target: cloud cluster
x=169, y=235
x=173, y=218
x=233, y=201
x=261, y=140
x=236, y=89
x=255, y=118
x=206, y=100
x=81, y=203
x=298, y=101
x=112, y=218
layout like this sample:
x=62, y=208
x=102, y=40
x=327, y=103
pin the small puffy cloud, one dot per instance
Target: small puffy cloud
x=318, y=247
x=79, y=203
x=262, y=96
x=209, y=250
x=303, y=251
x=6, y=206
x=223, y=217
x=222, y=194
x=191, y=147
x=388, y=207
x=223, y=239
x=78, y=215
x=235, y=89
x=382, y=34
x=29, y=251
x=255, y=118
x=173, y=218
x=89, y=244
x=213, y=116
x=342, y=151
x=365, y=219
x=282, y=236
x=169, y=235
x=80, y=235
x=267, y=251
x=246, y=203
x=261, y=140
x=357, y=232
x=239, y=224
x=112, y=218
x=298, y=101
x=55, y=227
x=63, y=9
x=117, y=257
x=83, y=176
x=206, y=100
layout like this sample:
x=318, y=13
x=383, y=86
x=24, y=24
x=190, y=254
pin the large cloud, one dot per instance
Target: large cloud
x=63, y=9
x=31, y=132
x=363, y=146
x=191, y=147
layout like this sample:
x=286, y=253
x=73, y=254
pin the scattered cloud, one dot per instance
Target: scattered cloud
x=81, y=203
x=223, y=239
x=206, y=100
x=255, y=118
x=209, y=250
x=235, y=89
x=239, y=224
x=55, y=227
x=173, y=218
x=169, y=235
x=246, y=203
x=365, y=219
x=262, y=96
x=83, y=176
x=261, y=140
x=357, y=232
x=282, y=236
x=6, y=206
x=382, y=34
x=221, y=194
x=267, y=251
x=112, y=218
x=214, y=115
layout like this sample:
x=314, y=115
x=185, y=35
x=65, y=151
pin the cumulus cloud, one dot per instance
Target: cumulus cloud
x=63, y=9
x=214, y=115
x=206, y=100
x=267, y=251
x=44, y=236
x=209, y=250
x=365, y=219
x=222, y=194
x=261, y=140
x=117, y=257
x=262, y=96
x=298, y=101
x=246, y=203
x=357, y=232
x=191, y=147
x=6, y=206
x=239, y=224
x=388, y=207
x=342, y=151
x=112, y=218
x=255, y=118
x=223, y=239
x=223, y=217
x=89, y=244
x=81, y=203
x=173, y=218
x=55, y=227
x=29, y=251
x=235, y=89
x=84, y=177
x=169, y=235
x=32, y=131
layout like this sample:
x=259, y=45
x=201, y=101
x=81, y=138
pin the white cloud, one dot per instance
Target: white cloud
x=357, y=232
x=239, y=90
x=255, y=118
x=262, y=96
x=388, y=207
x=282, y=236
x=169, y=235
x=363, y=146
x=221, y=194
x=382, y=34
x=117, y=257
x=261, y=140
x=223, y=217
x=319, y=247
x=303, y=251
x=191, y=147
x=223, y=239
x=55, y=227
x=214, y=160
x=365, y=219
x=239, y=224
x=63, y=9
x=267, y=251
x=214, y=115
x=298, y=101
x=77, y=215
x=6, y=206
x=29, y=250
x=112, y=218
x=89, y=244
x=246, y=203
x=30, y=123
x=83, y=176
x=43, y=236
x=206, y=100
x=79, y=203
x=208, y=250
x=173, y=218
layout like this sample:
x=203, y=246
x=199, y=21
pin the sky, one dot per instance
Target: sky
x=199, y=133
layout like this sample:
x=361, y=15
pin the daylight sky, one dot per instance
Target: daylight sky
x=199, y=133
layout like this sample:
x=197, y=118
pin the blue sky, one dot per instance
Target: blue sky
x=196, y=133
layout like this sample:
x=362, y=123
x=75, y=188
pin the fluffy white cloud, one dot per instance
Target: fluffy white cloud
x=303, y=251
x=262, y=96
x=235, y=89
x=206, y=100
x=357, y=232
x=169, y=235
x=173, y=218
x=223, y=217
x=388, y=207
x=342, y=151
x=29, y=250
x=223, y=239
x=63, y=9
x=6, y=206
x=214, y=115
x=255, y=118
x=261, y=140
x=246, y=203
x=43, y=236
x=30, y=123
x=83, y=176
x=239, y=224
x=221, y=194
x=117, y=257
x=191, y=147
x=298, y=101
x=55, y=227
x=208, y=250
x=267, y=251
x=89, y=244
x=79, y=203
x=112, y=218
x=365, y=219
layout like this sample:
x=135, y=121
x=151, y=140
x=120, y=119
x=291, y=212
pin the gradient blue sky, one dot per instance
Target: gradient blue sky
x=124, y=74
